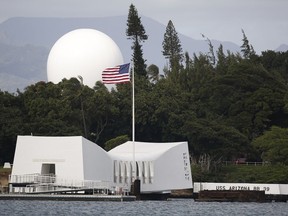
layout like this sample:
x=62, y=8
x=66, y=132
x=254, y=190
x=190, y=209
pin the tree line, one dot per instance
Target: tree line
x=226, y=105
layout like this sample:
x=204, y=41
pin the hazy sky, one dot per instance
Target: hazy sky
x=265, y=22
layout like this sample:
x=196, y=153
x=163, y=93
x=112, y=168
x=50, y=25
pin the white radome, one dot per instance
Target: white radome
x=82, y=52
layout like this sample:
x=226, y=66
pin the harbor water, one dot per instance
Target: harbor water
x=139, y=208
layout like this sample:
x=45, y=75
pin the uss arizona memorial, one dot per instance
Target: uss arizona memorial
x=47, y=164
x=72, y=164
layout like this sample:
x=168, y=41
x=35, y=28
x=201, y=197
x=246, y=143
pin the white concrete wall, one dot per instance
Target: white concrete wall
x=171, y=170
x=97, y=163
x=65, y=152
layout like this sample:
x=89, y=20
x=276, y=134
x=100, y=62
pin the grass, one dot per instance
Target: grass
x=4, y=170
x=276, y=174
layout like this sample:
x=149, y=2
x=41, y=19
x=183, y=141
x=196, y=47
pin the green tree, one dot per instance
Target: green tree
x=172, y=49
x=110, y=144
x=246, y=48
x=188, y=62
x=166, y=103
x=276, y=63
x=153, y=73
x=82, y=107
x=102, y=110
x=273, y=145
x=12, y=122
x=122, y=121
x=136, y=32
x=245, y=100
x=211, y=55
x=48, y=113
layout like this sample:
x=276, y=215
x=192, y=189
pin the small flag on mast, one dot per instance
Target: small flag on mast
x=117, y=74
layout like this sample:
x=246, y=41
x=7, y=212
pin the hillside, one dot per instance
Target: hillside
x=26, y=42
x=21, y=66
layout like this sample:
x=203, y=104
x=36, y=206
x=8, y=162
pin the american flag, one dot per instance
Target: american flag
x=117, y=74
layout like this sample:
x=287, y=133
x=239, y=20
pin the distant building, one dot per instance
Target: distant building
x=44, y=164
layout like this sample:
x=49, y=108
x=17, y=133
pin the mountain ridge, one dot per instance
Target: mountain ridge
x=39, y=34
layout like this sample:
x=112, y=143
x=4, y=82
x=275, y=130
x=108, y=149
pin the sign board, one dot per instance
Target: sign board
x=277, y=189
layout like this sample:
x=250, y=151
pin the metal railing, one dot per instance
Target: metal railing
x=37, y=183
x=245, y=163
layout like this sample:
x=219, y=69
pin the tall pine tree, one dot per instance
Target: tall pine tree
x=136, y=32
x=246, y=48
x=172, y=49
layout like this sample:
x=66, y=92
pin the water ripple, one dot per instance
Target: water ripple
x=139, y=208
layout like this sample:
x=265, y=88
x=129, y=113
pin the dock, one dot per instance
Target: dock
x=78, y=197
x=231, y=196
x=242, y=192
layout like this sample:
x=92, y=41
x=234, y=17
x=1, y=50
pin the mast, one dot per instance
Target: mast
x=133, y=125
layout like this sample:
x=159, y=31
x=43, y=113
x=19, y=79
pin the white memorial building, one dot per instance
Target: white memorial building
x=45, y=164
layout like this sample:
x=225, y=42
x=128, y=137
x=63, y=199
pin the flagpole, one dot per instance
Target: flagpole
x=133, y=124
